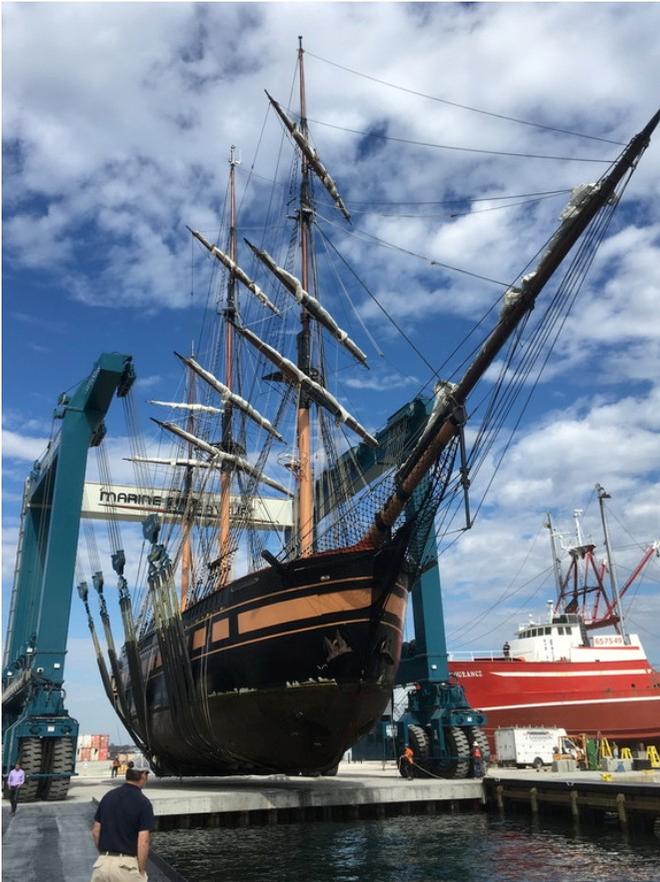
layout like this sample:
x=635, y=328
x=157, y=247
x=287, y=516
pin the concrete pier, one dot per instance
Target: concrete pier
x=632, y=797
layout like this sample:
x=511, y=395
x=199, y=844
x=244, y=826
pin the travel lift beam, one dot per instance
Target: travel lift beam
x=438, y=723
x=36, y=727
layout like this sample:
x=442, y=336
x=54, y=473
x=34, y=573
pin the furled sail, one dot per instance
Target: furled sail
x=175, y=461
x=184, y=405
x=315, y=391
x=309, y=302
x=312, y=157
x=230, y=397
x=221, y=457
x=240, y=274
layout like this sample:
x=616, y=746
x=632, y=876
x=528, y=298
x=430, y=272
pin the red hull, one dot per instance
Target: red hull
x=617, y=699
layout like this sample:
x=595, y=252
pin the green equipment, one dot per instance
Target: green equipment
x=36, y=727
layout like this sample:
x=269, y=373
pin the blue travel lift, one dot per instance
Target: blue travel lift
x=36, y=727
x=438, y=722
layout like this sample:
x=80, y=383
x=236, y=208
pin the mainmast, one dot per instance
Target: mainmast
x=305, y=472
x=227, y=439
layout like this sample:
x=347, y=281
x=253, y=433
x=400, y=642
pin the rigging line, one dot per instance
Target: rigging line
x=613, y=514
x=456, y=213
x=431, y=261
x=253, y=174
x=579, y=269
x=510, y=591
x=487, y=432
x=250, y=172
x=342, y=287
x=498, y=207
x=378, y=304
x=503, y=116
x=457, y=148
x=518, y=609
x=458, y=201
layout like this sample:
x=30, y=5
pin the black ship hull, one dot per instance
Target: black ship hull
x=287, y=667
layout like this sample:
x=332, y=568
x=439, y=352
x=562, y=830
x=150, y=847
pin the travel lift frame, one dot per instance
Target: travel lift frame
x=36, y=727
x=438, y=723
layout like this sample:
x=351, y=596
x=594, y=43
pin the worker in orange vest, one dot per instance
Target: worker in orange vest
x=477, y=761
x=406, y=763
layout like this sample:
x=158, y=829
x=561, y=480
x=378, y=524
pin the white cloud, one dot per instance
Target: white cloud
x=23, y=447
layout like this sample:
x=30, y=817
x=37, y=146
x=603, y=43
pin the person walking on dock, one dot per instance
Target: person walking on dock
x=114, y=768
x=15, y=781
x=122, y=829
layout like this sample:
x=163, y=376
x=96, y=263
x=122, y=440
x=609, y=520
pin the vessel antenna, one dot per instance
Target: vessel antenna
x=556, y=564
x=602, y=496
x=577, y=515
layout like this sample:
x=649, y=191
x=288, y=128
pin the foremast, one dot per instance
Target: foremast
x=449, y=415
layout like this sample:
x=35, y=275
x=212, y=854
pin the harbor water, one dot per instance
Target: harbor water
x=441, y=848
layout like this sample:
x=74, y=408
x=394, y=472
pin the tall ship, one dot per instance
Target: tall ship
x=579, y=667
x=280, y=555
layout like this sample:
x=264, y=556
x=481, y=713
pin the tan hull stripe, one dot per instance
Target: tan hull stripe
x=313, y=606
x=220, y=630
x=289, y=633
x=396, y=605
x=281, y=591
x=198, y=638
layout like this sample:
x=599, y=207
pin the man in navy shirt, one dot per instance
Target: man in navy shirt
x=122, y=829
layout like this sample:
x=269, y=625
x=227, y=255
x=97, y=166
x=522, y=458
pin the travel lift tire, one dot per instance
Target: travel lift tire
x=61, y=761
x=421, y=747
x=30, y=754
x=457, y=763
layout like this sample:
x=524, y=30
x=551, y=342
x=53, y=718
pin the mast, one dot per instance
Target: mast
x=621, y=627
x=445, y=424
x=227, y=441
x=186, y=549
x=556, y=565
x=577, y=514
x=305, y=473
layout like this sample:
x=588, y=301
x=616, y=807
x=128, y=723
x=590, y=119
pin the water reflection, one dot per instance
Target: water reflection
x=459, y=848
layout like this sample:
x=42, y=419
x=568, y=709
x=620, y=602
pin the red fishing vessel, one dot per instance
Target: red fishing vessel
x=559, y=673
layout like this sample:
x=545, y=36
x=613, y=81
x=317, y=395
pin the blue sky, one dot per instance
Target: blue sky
x=116, y=127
